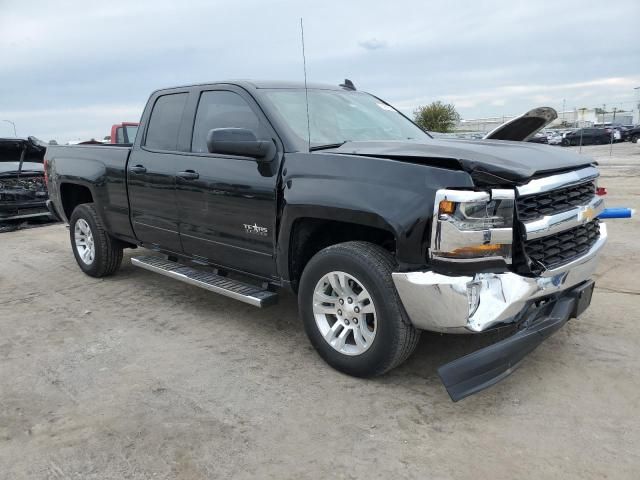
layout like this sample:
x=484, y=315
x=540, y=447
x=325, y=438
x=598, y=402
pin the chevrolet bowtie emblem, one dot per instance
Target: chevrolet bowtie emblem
x=588, y=214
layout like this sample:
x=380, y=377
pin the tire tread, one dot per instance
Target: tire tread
x=382, y=262
x=109, y=257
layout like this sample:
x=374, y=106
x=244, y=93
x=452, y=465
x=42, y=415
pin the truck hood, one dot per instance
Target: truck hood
x=512, y=162
x=524, y=126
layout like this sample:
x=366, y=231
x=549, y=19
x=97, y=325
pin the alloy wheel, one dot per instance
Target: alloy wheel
x=83, y=238
x=345, y=313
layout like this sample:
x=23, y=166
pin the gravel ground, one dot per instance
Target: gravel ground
x=139, y=376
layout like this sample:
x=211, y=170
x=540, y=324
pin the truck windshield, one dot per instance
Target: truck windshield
x=337, y=116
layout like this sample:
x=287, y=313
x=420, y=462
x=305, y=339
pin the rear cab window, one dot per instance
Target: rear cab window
x=165, y=121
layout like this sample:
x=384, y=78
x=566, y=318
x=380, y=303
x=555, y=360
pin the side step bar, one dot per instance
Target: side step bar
x=236, y=289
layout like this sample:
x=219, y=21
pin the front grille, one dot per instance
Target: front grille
x=533, y=207
x=554, y=250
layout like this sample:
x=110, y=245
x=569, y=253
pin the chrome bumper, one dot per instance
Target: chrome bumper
x=445, y=303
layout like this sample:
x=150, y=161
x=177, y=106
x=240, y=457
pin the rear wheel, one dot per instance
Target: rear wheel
x=97, y=253
x=351, y=310
x=634, y=138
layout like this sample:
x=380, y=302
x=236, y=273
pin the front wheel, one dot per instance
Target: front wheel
x=351, y=311
x=97, y=253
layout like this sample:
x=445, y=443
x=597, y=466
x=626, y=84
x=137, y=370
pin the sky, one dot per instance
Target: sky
x=71, y=69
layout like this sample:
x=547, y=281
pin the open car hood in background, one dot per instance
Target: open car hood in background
x=525, y=126
x=21, y=154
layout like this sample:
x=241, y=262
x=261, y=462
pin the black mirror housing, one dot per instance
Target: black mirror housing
x=240, y=141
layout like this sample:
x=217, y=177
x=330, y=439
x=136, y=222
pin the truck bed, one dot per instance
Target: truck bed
x=102, y=169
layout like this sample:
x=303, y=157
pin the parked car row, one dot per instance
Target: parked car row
x=588, y=136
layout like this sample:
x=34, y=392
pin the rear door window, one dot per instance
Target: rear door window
x=221, y=109
x=164, y=122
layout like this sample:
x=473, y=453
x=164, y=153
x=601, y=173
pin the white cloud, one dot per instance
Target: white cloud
x=372, y=44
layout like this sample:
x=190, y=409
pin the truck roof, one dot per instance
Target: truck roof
x=259, y=84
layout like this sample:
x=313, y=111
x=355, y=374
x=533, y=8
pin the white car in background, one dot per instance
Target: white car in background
x=554, y=138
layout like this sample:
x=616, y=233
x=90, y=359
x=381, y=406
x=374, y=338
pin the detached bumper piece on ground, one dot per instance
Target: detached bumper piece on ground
x=483, y=368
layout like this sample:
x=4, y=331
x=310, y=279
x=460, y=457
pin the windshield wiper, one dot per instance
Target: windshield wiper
x=327, y=146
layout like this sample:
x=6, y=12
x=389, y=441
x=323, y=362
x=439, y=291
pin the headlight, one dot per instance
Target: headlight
x=471, y=225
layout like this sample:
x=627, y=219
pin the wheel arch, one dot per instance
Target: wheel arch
x=305, y=235
x=73, y=194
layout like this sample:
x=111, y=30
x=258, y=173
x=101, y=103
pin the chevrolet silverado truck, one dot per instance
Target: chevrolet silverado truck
x=244, y=188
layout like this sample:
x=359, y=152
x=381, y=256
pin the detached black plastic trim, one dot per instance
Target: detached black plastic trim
x=483, y=368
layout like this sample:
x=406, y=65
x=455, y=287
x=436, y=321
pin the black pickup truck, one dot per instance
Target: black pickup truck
x=245, y=187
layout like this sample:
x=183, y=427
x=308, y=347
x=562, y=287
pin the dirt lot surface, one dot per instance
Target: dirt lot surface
x=139, y=376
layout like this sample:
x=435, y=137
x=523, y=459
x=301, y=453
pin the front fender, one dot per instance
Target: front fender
x=392, y=195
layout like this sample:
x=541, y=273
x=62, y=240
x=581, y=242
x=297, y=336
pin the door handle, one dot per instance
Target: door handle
x=138, y=169
x=189, y=175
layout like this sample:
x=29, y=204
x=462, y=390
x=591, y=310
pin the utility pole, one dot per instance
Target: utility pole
x=604, y=109
x=563, y=103
x=637, y=89
x=14, y=127
x=612, y=132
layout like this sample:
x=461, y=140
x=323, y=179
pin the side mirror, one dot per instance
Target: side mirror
x=240, y=141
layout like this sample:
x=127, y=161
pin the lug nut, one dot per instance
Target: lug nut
x=341, y=302
x=350, y=300
x=339, y=312
x=355, y=320
x=356, y=309
x=346, y=321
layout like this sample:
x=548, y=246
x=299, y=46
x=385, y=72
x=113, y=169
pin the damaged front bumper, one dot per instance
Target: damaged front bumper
x=483, y=368
x=484, y=301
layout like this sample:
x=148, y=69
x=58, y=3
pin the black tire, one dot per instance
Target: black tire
x=634, y=138
x=108, y=250
x=396, y=337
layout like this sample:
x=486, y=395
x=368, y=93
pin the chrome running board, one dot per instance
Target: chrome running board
x=228, y=287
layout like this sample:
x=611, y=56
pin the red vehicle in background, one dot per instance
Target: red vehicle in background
x=124, y=132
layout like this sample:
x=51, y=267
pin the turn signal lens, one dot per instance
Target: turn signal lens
x=447, y=207
x=481, y=249
x=600, y=191
x=475, y=251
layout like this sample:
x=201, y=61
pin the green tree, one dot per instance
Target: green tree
x=437, y=117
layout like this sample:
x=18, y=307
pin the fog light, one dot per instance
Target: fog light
x=473, y=297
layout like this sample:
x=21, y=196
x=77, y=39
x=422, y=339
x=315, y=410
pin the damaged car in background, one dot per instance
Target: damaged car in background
x=23, y=187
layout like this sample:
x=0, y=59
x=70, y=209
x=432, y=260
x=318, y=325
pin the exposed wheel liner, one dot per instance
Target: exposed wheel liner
x=396, y=337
